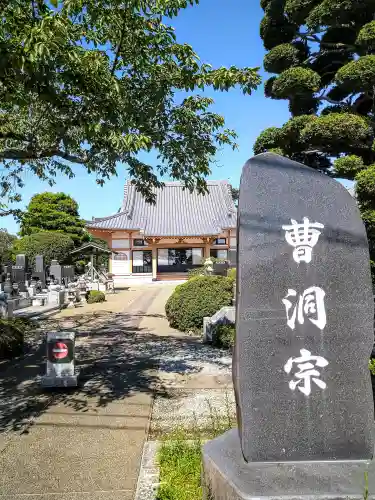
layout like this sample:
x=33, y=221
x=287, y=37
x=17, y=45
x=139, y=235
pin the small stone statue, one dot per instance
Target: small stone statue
x=3, y=304
x=208, y=266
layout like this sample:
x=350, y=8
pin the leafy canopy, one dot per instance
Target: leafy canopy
x=94, y=83
x=326, y=69
x=330, y=86
x=53, y=212
x=6, y=242
x=50, y=244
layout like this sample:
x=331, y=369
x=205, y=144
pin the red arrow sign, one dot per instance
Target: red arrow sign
x=60, y=350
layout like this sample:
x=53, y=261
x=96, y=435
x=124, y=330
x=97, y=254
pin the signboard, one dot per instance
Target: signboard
x=60, y=354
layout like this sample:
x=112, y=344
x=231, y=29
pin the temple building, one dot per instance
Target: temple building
x=163, y=241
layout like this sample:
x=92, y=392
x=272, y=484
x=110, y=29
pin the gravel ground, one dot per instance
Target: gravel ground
x=199, y=393
x=187, y=358
x=192, y=409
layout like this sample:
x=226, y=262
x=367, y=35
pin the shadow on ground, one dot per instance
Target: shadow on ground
x=116, y=359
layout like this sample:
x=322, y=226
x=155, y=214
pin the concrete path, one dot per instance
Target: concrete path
x=85, y=443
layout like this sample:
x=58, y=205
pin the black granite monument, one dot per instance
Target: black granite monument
x=19, y=272
x=304, y=334
x=39, y=271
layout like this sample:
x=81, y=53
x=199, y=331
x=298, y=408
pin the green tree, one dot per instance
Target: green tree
x=322, y=55
x=94, y=83
x=235, y=192
x=54, y=212
x=6, y=242
x=99, y=260
x=50, y=244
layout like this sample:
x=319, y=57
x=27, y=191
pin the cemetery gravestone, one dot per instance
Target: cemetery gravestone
x=55, y=271
x=304, y=334
x=19, y=271
x=39, y=271
x=67, y=273
x=22, y=261
x=7, y=285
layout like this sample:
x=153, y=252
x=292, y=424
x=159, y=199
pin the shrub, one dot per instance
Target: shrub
x=224, y=336
x=12, y=334
x=50, y=244
x=198, y=271
x=232, y=273
x=371, y=365
x=94, y=296
x=198, y=297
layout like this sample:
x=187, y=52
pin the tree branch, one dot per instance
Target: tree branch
x=312, y=37
x=33, y=9
x=19, y=154
x=119, y=44
x=15, y=212
x=361, y=99
x=13, y=135
x=328, y=99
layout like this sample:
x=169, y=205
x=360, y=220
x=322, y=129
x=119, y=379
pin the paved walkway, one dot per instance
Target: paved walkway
x=85, y=443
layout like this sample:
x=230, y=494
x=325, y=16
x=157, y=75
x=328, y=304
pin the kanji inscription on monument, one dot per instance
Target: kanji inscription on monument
x=304, y=325
x=303, y=237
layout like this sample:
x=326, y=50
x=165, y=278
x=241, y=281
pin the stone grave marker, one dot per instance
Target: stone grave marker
x=304, y=334
x=55, y=271
x=19, y=272
x=39, y=271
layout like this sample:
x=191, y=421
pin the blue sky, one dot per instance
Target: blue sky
x=223, y=33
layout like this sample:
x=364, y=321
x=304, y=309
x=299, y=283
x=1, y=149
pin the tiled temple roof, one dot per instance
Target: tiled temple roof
x=177, y=212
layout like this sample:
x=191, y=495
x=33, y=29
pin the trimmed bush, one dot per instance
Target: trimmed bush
x=224, y=336
x=51, y=244
x=232, y=273
x=198, y=297
x=94, y=296
x=198, y=271
x=12, y=334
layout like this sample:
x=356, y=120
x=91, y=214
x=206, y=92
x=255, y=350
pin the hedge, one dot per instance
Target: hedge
x=232, y=273
x=224, y=336
x=12, y=334
x=198, y=297
x=94, y=296
x=197, y=271
x=50, y=244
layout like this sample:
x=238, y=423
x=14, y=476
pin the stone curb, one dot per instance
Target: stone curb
x=148, y=479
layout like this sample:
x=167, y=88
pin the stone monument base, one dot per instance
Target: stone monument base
x=226, y=476
x=53, y=381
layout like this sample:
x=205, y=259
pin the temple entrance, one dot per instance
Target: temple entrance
x=142, y=261
x=178, y=260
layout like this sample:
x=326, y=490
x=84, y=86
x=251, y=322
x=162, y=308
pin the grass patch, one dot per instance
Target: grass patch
x=180, y=469
x=180, y=456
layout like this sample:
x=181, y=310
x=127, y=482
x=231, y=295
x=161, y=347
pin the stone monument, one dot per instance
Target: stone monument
x=39, y=271
x=55, y=271
x=19, y=272
x=60, y=368
x=304, y=334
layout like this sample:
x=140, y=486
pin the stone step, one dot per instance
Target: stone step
x=171, y=276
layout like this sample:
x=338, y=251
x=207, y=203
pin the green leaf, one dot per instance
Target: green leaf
x=93, y=84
